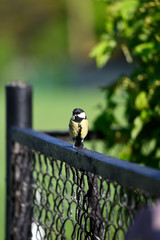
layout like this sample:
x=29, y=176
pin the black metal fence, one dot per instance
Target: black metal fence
x=57, y=192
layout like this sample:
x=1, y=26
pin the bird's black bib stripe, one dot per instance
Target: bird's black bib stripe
x=78, y=140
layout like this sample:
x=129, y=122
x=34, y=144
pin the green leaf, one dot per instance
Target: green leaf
x=138, y=125
x=148, y=147
x=146, y=114
x=102, y=59
x=127, y=8
x=145, y=49
x=99, y=49
x=102, y=51
x=141, y=101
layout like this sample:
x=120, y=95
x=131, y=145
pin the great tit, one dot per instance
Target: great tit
x=78, y=127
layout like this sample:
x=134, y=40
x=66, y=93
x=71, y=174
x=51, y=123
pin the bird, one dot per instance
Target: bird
x=78, y=127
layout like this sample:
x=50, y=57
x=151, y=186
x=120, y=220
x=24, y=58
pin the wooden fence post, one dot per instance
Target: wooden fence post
x=18, y=113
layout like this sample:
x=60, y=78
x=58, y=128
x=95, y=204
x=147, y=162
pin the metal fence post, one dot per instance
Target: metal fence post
x=18, y=113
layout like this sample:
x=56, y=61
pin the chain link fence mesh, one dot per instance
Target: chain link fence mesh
x=54, y=200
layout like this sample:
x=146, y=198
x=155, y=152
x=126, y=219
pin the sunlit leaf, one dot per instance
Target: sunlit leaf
x=102, y=51
x=127, y=7
x=99, y=49
x=138, y=124
x=141, y=101
x=144, y=48
x=148, y=147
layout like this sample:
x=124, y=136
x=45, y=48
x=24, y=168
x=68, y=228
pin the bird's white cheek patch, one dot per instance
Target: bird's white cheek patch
x=82, y=115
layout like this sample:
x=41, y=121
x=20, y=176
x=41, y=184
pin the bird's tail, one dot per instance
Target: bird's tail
x=79, y=142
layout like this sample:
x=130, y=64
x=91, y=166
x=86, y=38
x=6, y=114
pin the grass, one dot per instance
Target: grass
x=52, y=109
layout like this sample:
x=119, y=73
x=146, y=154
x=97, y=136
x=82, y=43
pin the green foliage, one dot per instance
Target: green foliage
x=133, y=27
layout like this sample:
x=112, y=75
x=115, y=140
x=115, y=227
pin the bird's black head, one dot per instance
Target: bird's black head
x=78, y=115
x=77, y=111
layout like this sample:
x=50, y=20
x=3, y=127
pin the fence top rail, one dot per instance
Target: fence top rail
x=126, y=173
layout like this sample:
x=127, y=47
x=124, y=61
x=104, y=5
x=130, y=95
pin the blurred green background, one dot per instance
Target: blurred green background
x=47, y=44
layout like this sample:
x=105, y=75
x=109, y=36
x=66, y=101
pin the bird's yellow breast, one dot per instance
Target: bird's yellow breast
x=84, y=128
x=73, y=129
x=78, y=129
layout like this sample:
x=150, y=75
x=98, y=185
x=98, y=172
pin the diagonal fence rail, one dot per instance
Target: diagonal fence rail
x=76, y=194
x=57, y=192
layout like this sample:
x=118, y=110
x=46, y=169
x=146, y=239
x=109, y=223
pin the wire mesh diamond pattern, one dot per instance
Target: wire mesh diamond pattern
x=69, y=203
